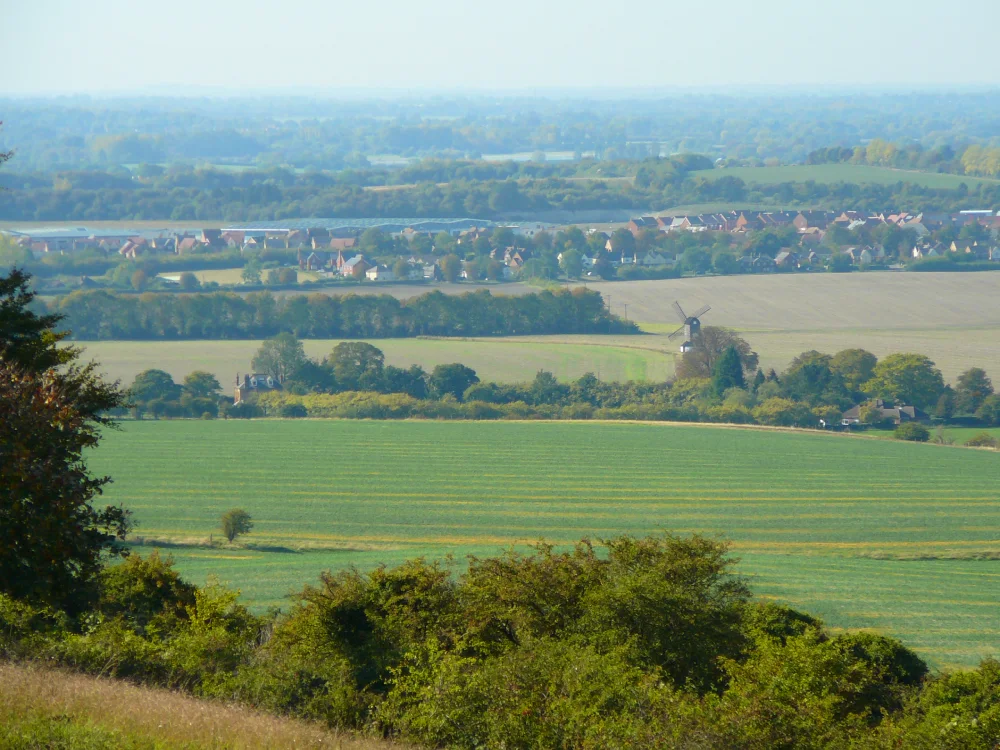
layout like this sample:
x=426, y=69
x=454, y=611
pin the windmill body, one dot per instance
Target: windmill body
x=690, y=326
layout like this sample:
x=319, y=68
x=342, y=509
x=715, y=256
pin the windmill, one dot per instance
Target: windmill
x=690, y=325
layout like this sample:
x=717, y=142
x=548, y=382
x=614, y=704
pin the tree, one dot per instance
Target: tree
x=451, y=267
x=725, y=263
x=989, y=411
x=236, y=522
x=140, y=280
x=401, y=269
x=907, y=379
x=728, y=371
x=189, y=282
x=972, y=388
x=840, y=263
x=545, y=389
x=452, y=379
x=708, y=347
x=52, y=412
x=279, y=357
x=855, y=367
x=152, y=385
x=288, y=276
x=356, y=365
x=201, y=384
x=273, y=279
x=622, y=242
x=811, y=379
x=251, y=272
x=572, y=263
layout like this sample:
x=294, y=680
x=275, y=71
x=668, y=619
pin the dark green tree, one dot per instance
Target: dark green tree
x=52, y=411
x=356, y=365
x=972, y=388
x=728, y=371
x=453, y=379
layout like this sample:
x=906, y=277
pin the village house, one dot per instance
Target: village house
x=897, y=414
x=251, y=385
x=354, y=267
x=379, y=272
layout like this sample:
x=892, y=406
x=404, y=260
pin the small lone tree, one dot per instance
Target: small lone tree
x=235, y=522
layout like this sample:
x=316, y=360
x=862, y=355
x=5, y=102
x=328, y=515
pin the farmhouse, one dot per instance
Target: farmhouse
x=896, y=414
x=251, y=385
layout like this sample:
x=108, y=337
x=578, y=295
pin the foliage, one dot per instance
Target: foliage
x=236, y=522
x=708, y=347
x=52, y=538
x=907, y=379
x=728, y=371
x=912, y=431
x=102, y=315
x=982, y=440
x=279, y=357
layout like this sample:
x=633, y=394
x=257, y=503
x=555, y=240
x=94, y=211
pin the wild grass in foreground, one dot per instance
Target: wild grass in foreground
x=45, y=708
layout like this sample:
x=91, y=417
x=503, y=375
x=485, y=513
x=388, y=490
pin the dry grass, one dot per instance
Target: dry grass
x=158, y=717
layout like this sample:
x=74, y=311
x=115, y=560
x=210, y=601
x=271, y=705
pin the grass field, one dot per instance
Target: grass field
x=828, y=173
x=508, y=360
x=810, y=514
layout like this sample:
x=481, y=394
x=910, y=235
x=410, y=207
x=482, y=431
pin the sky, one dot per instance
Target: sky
x=331, y=46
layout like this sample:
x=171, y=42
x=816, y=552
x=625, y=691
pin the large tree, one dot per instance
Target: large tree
x=280, y=357
x=907, y=379
x=855, y=367
x=708, y=347
x=356, y=365
x=52, y=409
x=452, y=379
x=972, y=388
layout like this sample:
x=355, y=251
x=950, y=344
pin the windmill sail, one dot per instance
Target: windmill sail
x=701, y=311
x=680, y=312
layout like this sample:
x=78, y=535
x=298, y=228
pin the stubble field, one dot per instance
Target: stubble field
x=865, y=533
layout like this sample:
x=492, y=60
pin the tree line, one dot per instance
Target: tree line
x=97, y=315
x=717, y=381
x=258, y=197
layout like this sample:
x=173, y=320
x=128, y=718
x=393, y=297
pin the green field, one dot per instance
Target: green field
x=507, y=360
x=829, y=173
x=811, y=515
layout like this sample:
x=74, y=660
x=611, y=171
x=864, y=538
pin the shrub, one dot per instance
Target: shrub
x=292, y=411
x=912, y=431
x=982, y=440
x=147, y=592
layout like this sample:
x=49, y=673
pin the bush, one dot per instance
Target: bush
x=293, y=411
x=912, y=431
x=982, y=440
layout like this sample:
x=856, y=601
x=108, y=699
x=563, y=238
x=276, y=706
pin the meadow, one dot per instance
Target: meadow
x=902, y=538
x=830, y=173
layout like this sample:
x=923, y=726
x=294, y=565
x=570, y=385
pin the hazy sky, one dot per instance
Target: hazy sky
x=68, y=46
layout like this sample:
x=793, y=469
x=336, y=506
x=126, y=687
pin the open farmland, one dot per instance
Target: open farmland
x=810, y=514
x=507, y=359
x=830, y=173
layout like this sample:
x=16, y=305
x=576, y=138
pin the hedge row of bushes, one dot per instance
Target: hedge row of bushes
x=640, y=643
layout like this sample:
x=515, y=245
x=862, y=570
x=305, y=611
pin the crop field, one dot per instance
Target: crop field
x=829, y=173
x=902, y=538
x=507, y=359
